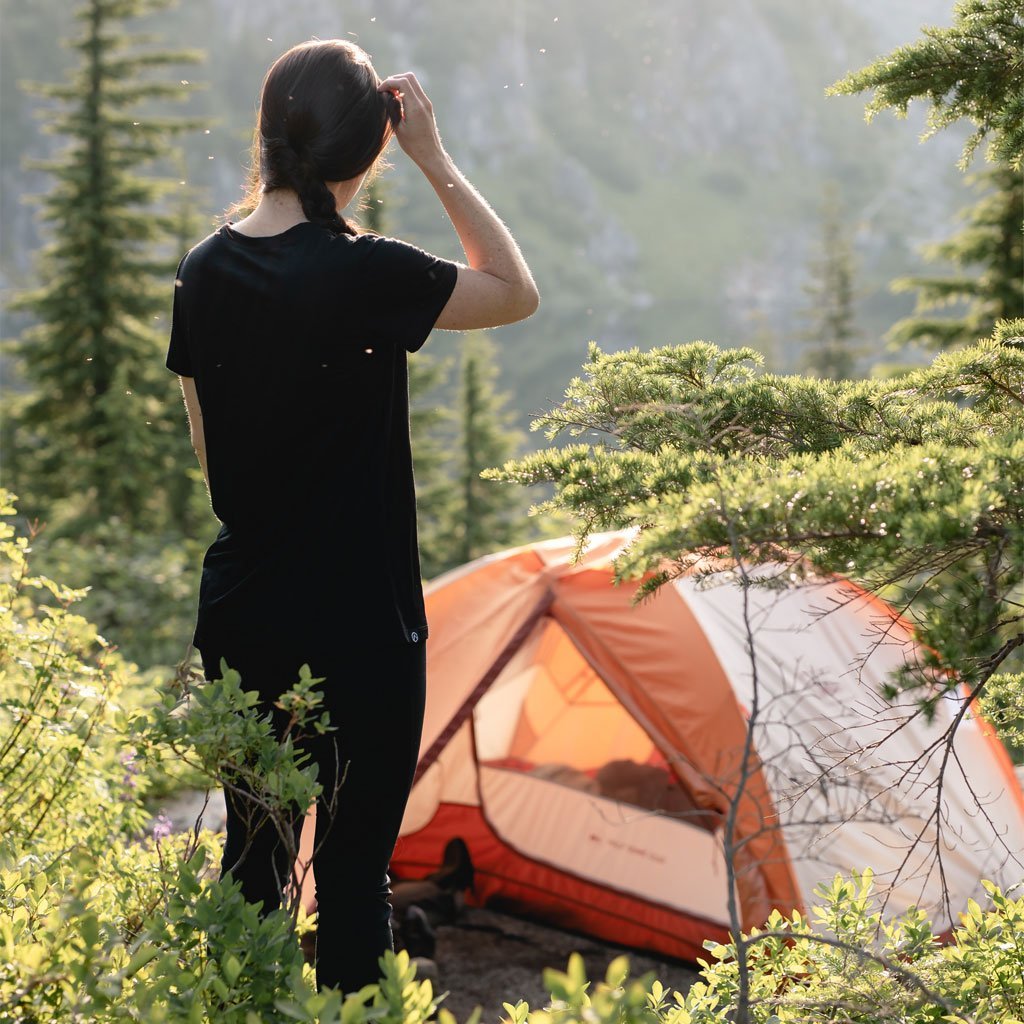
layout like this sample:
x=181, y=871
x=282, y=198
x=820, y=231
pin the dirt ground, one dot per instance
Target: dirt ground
x=487, y=957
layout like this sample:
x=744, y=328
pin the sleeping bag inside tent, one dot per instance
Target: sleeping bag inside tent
x=588, y=751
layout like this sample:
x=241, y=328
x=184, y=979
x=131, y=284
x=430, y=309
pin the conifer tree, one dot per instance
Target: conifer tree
x=431, y=423
x=913, y=485
x=373, y=204
x=971, y=70
x=485, y=517
x=989, y=256
x=831, y=332
x=890, y=481
x=95, y=438
x=188, y=501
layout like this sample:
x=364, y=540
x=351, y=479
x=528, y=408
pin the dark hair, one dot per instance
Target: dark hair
x=321, y=118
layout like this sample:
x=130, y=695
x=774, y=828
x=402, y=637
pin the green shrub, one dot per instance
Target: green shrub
x=103, y=922
x=139, y=588
x=848, y=965
x=1002, y=703
x=100, y=921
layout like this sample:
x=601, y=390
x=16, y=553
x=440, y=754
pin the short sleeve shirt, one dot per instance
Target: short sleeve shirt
x=298, y=345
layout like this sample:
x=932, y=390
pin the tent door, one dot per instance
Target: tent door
x=569, y=777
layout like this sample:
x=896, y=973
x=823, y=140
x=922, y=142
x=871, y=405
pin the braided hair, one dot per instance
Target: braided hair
x=322, y=118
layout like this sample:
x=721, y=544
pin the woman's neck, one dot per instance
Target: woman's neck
x=276, y=211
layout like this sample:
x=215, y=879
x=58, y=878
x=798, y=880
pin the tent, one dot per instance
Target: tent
x=588, y=751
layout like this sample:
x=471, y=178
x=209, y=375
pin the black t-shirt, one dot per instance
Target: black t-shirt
x=297, y=343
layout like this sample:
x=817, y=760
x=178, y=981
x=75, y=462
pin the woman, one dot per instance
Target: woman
x=290, y=334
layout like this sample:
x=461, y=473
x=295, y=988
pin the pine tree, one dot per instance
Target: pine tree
x=831, y=332
x=188, y=501
x=103, y=425
x=485, y=517
x=972, y=70
x=891, y=481
x=373, y=205
x=912, y=484
x=991, y=241
x=431, y=421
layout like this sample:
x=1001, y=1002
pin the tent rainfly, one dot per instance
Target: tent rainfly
x=591, y=753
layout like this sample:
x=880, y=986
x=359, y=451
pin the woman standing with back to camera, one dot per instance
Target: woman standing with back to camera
x=290, y=333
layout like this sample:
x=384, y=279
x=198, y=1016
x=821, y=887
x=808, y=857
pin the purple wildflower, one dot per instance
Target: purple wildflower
x=162, y=827
x=127, y=758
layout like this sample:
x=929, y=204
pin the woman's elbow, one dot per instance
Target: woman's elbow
x=527, y=304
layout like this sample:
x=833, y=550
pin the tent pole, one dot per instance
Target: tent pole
x=466, y=707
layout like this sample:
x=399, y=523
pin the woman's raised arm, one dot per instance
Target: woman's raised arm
x=497, y=287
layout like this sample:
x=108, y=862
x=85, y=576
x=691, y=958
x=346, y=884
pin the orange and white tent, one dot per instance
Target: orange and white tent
x=589, y=751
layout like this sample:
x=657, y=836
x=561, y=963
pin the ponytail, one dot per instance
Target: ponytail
x=294, y=167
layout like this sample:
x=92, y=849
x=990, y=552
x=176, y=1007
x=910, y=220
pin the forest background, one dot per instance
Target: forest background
x=656, y=196
x=872, y=426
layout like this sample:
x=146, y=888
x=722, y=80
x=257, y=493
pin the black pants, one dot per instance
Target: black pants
x=375, y=693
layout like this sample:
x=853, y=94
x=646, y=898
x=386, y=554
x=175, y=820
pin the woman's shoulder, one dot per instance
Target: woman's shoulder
x=365, y=250
x=200, y=251
x=394, y=255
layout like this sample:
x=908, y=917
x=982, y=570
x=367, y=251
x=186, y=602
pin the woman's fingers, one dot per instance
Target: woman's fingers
x=395, y=84
x=417, y=89
x=406, y=83
x=417, y=133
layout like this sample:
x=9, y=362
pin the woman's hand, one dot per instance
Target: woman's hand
x=497, y=287
x=417, y=131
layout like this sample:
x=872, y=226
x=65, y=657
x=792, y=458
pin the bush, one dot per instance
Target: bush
x=138, y=588
x=849, y=965
x=100, y=921
x=1002, y=703
x=103, y=922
